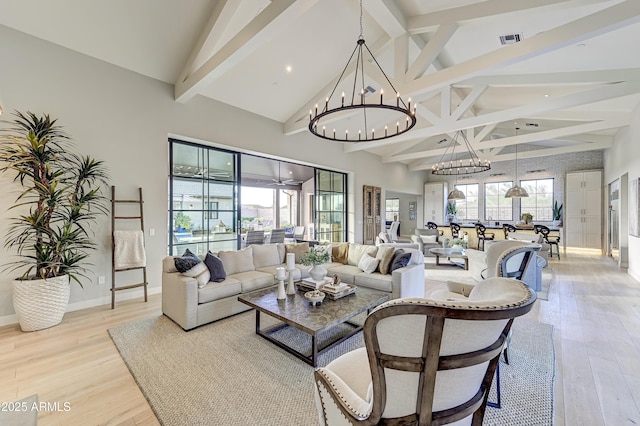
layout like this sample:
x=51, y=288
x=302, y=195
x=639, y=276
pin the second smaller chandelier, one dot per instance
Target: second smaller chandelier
x=462, y=166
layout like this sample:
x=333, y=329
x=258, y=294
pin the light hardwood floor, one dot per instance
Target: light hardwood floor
x=593, y=306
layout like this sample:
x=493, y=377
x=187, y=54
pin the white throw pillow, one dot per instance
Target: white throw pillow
x=200, y=272
x=368, y=264
x=428, y=239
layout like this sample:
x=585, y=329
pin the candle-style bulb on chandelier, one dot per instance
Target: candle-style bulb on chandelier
x=393, y=116
x=462, y=166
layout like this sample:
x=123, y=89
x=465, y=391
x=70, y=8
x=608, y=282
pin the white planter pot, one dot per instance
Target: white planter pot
x=40, y=304
x=318, y=273
x=456, y=247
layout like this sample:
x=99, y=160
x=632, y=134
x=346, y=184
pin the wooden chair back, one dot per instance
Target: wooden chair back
x=422, y=346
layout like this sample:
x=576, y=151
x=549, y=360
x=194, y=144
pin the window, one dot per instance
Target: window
x=203, y=194
x=540, y=200
x=496, y=207
x=392, y=209
x=331, y=206
x=468, y=208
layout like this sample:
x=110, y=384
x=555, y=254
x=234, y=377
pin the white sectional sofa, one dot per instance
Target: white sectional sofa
x=254, y=267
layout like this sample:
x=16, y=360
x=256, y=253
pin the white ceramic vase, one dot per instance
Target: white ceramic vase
x=456, y=247
x=318, y=272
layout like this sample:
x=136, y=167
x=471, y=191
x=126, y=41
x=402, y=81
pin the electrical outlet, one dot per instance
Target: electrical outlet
x=101, y=280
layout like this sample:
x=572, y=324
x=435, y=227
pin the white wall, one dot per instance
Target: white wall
x=620, y=160
x=125, y=119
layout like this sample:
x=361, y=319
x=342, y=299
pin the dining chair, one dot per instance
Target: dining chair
x=508, y=228
x=277, y=236
x=483, y=235
x=254, y=237
x=552, y=240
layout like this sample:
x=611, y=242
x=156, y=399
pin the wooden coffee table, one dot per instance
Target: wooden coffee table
x=296, y=311
x=449, y=253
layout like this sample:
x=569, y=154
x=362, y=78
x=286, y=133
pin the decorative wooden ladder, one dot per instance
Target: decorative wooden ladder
x=114, y=270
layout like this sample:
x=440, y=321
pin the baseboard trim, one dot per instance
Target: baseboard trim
x=91, y=303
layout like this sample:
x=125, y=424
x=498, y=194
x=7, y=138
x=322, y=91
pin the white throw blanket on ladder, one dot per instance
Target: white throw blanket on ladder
x=129, y=249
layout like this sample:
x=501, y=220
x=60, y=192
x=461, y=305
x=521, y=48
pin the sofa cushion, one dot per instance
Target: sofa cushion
x=368, y=263
x=385, y=255
x=356, y=251
x=215, y=291
x=216, y=268
x=254, y=280
x=266, y=255
x=375, y=281
x=237, y=261
x=340, y=252
x=271, y=270
x=298, y=249
x=346, y=273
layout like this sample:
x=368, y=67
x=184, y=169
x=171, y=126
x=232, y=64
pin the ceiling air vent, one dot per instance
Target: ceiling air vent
x=510, y=38
x=531, y=124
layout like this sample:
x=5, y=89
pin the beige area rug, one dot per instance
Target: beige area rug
x=224, y=374
x=436, y=276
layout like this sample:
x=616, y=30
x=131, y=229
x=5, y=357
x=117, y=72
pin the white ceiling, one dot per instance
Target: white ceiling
x=574, y=74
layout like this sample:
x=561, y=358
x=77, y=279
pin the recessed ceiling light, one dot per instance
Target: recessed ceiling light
x=546, y=95
x=228, y=163
x=580, y=45
x=288, y=68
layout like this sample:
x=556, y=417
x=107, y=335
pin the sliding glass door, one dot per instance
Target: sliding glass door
x=203, y=189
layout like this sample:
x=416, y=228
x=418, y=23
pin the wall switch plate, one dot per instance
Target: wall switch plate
x=101, y=280
x=152, y=232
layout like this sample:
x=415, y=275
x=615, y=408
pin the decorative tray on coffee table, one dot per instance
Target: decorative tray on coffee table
x=331, y=292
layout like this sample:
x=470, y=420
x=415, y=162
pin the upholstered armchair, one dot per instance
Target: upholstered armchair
x=427, y=239
x=510, y=258
x=424, y=361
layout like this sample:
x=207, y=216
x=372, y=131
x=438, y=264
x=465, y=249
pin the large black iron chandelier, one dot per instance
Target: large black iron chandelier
x=465, y=166
x=359, y=102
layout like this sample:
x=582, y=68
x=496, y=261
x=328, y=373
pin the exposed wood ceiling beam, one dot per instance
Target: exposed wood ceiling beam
x=601, y=93
x=609, y=19
x=522, y=138
x=537, y=153
x=430, y=21
x=431, y=51
x=552, y=79
x=220, y=17
x=262, y=28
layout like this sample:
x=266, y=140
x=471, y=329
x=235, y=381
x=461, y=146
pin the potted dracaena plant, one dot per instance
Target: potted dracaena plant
x=60, y=198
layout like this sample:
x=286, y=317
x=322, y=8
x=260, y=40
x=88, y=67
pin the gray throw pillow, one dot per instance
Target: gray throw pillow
x=216, y=268
x=400, y=261
x=187, y=261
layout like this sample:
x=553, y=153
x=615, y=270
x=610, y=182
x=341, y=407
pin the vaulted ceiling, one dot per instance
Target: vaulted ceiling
x=569, y=83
